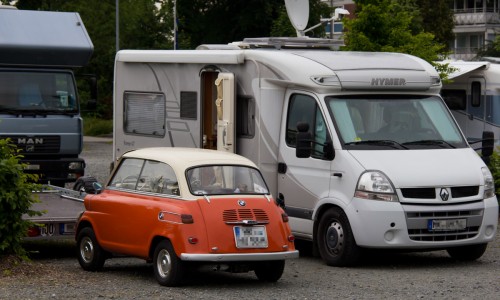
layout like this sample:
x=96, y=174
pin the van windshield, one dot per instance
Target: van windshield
x=394, y=122
x=37, y=92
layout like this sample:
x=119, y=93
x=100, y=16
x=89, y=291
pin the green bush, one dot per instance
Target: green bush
x=93, y=126
x=494, y=165
x=16, y=200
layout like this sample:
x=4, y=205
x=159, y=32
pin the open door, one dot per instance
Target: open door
x=225, y=105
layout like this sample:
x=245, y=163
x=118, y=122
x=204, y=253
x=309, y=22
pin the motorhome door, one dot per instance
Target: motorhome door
x=225, y=105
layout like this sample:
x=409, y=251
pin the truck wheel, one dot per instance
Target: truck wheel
x=168, y=268
x=335, y=240
x=270, y=271
x=90, y=254
x=467, y=253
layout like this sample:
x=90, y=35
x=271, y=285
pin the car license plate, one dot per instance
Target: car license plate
x=250, y=236
x=446, y=224
x=32, y=167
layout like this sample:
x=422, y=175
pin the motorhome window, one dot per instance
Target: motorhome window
x=245, y=117
x=50, y=92
x=475, y=93
x=144, y=113
x=225, y=180
x=455, y=99
x=394, y=122
x=303, y=108
x=189, y=105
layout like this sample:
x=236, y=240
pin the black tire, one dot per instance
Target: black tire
x=169, y=269
x=90, y=254
x=270, y=271
x=467, y=253
x=335, y=240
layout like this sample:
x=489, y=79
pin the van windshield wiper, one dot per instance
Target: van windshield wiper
x=389, y=143
x=430, y=143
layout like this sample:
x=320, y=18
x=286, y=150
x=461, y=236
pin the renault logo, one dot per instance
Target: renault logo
x=444, y=194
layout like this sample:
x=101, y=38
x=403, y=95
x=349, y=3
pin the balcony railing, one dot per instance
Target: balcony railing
x=469, y=17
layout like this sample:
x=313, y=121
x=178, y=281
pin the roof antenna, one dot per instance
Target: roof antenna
x=298, y=13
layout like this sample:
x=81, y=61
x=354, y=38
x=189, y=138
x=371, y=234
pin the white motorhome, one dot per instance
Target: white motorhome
x=381, y=162
x=473, y=96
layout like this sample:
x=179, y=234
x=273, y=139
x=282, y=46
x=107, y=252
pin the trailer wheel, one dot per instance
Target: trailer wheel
x=90, y=254
x=467, y=253
x=169, y=269
x=335, y=240
x=270, y=271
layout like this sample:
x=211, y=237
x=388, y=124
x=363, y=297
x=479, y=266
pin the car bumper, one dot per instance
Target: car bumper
x=379, y=224
x=229, y=257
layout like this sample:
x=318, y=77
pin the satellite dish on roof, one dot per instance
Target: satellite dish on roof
x=298, y=13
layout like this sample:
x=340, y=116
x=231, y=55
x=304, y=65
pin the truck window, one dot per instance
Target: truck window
x=303, y=108
x=52, y=92
x=455, y=99
x=144, y=113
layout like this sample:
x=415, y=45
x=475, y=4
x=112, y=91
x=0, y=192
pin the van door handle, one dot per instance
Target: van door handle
x=281, y=168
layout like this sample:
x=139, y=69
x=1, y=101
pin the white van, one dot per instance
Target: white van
x=381, y=162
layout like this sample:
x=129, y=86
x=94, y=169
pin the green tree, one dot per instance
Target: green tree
x=436, y=17
x=391, y=26
x=16, y=200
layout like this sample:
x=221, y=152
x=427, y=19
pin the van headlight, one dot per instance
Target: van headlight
x=489, y=183
x=374, y=185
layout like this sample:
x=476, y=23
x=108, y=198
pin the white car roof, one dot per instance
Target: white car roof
x=182, y=158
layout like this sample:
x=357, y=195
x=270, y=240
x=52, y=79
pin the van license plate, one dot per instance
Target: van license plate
x=250, y=236
x=447, y=225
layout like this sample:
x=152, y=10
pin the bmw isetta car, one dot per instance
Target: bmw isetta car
x=179, y=207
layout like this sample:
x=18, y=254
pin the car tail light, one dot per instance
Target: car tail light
x=193, y=240
x=291, y=238
x=187, y=219
x=33, y=231
x=284, y=217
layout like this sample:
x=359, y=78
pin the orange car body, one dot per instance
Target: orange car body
x=158, y=194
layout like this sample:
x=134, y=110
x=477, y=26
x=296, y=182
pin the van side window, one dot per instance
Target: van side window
x=475, y=93
x=144, y=113
x=304, y=108
x=455, y=99
x=245, y=117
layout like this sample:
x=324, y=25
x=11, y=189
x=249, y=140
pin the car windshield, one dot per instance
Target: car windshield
x=37, y=93
x=225, y=180
x=390, y=122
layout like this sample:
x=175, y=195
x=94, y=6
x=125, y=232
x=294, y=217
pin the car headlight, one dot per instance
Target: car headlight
x=374, y=185
x=489, y=183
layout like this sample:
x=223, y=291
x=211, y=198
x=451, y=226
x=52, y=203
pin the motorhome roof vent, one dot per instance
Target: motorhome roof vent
x=217, y=47
x=292, y=42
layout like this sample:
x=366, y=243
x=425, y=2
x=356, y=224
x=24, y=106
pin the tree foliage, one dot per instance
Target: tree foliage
x=16, y=200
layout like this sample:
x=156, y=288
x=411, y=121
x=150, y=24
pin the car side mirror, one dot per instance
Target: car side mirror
x=303, y=146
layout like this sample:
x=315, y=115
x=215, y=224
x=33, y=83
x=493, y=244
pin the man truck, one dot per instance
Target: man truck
x=39, y=104
x=359, y=148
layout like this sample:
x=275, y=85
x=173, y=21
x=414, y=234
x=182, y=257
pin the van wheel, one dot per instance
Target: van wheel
x=467, y=253
x=90, y=254
x=336, y=243
x=168, y=268
x=270, y=271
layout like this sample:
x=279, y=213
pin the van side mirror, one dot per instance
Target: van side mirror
x=488, y=143
x=303, y=146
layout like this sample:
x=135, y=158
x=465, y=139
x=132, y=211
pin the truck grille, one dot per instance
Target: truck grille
x=238, y=215
x=418, y=231
x=36, y=144
x=430, y=193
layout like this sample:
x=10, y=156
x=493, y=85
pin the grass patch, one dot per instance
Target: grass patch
x=95, y=127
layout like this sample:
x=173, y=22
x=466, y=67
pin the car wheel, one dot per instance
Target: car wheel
x=90, y=254
x=168, y=268
x=270, y=271
x=467, y=253
x=336, y=243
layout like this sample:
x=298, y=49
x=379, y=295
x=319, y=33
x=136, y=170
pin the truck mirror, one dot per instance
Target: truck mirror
x=304, y=141
x=488, y=143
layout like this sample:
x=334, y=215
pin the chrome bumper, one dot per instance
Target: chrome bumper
x=240, y=256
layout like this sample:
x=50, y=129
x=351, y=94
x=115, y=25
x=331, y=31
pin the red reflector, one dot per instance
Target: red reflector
x=33, y=231
x=193, y=240
x=187, y=219
x=284, y=217
x=291, y=238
